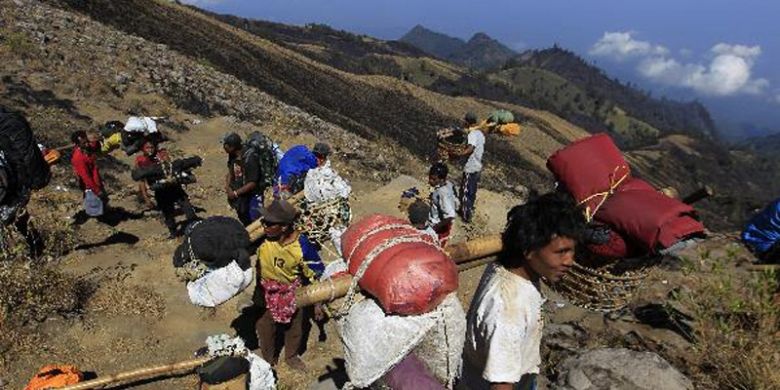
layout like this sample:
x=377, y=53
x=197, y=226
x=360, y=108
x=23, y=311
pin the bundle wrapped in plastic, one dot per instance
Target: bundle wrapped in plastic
x=376, y=343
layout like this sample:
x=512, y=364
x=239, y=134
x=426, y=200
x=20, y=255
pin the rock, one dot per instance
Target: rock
x=562, y=336
x=610, y=368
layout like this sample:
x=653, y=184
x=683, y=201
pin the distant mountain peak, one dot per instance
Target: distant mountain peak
x=481, y=51
x=432, y=42
x=481, y=36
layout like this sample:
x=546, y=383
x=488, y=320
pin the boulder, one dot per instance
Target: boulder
x=618, y=369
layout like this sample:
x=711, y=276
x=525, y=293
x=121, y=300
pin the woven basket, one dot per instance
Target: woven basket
x=317, y=219
x=452, y=143
x=604, y=288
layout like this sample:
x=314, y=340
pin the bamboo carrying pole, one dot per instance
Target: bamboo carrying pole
x=338, y=287
x=461, y=253
x=140, y=374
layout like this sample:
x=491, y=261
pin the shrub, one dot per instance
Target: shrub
x=738, y=324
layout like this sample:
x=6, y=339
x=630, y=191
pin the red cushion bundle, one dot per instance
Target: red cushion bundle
x=650, y=217
x=595, y=173
x=588, y=167
x=408, y=273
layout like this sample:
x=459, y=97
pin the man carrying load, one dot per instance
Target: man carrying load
x=286, y=260
x=473, y=166
x=251, y=167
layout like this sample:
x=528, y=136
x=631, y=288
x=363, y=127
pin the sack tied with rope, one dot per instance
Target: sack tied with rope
x=213, y=261
x=595, y=173
x=402, y=267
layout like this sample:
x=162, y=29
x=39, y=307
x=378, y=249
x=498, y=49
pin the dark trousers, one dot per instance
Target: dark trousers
x=468, y=191
x=267, y=331
x=248, y=208
x=167, y=199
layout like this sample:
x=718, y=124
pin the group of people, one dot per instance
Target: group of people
x=164, y=196
x=504, y=323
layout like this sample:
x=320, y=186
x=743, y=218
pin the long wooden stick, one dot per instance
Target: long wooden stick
x=140, y=374
x=338, y=287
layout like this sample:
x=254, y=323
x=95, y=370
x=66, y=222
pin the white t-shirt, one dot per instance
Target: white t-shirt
x=444, y=204
x=474, y=164
x=503, y=331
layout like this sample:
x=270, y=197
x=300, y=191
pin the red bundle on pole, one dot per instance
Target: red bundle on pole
x=399, y=265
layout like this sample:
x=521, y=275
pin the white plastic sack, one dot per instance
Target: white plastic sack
x=141, y=124
x=374, y=342
x=278, y=152
x=261, y=376
x=218, y=286
x=93, y=206
x=323, y=184
x=333, y=268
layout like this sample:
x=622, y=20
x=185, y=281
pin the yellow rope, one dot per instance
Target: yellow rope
x=614, y=184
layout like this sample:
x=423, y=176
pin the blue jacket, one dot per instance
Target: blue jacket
x=296, y=161
x=763, y=230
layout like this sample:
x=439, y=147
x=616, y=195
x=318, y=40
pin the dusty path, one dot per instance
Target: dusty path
x=140, y=314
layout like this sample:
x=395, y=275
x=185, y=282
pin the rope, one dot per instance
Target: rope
x=318, y=218
x=613, y=185
x=370, y=233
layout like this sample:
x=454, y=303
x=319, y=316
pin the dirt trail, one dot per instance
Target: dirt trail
x=142, y=315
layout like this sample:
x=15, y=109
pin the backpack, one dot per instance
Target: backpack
x=263, y=147
x=25, y=159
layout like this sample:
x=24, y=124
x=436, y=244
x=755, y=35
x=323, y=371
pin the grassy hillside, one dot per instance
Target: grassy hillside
x=670, y=117
x=403, y=115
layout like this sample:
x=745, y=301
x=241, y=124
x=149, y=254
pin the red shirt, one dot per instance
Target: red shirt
x=86, y=169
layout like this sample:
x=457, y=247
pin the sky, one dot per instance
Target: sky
x=721, y=52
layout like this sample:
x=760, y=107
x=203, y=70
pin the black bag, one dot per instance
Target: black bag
x=223, y=369
x=263, y=147
x=156, y=171
x=215, y=241
x=17, y=142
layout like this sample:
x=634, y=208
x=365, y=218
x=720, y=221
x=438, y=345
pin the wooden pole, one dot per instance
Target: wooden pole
x=141, y=374
x=700, y=194
x=461, y=253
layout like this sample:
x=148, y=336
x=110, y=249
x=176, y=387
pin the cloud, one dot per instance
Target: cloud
x=726, y=70
x=777, y=98
x=622, y=45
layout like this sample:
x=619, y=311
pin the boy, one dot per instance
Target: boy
x=504, y=322
x=286, y=260
x=418, y=216
x=444, y=204
x=167, y=195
